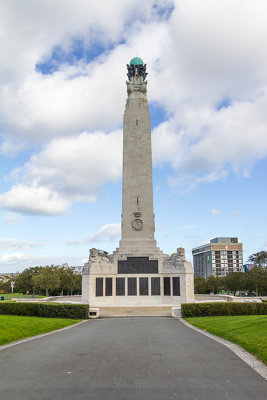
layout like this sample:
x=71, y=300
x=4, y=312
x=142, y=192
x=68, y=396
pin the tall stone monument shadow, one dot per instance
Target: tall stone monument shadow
x=137, y=279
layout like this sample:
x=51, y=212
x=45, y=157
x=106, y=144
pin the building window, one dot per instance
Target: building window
x=155, y=286
x=132, y=291
x=176, y=285
x=143, y=286
x=108, y=291
x=120, y=286
x=167, y=286
x=99, y=287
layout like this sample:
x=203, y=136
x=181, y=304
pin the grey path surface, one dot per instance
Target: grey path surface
x=130, y=358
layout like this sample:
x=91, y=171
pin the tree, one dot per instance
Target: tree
x=6, y=286
x=259, y=259
x=214, y=284
x=24, y=282
x=235, y=282
x=47, y=279
x=257, y=280
x=66, y=277
x=77, y=284
x=200, y=285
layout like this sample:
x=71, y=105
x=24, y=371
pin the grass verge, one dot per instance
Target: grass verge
x=9, y=296
x=14, y=327
x=248, y=331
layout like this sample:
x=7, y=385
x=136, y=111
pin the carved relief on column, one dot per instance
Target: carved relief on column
x=137, y=223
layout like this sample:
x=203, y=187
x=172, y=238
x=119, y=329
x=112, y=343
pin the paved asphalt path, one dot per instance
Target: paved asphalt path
x=124, y=359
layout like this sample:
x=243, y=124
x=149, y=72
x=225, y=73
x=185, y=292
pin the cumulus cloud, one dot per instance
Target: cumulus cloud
x=11, y=217
x=33, y=200
x=8, y=243
x=108, y=232
x=85, y=88
x=207, y=70
x=67, y=170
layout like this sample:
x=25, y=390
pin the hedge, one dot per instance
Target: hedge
x=213, y=309
x=48, y=310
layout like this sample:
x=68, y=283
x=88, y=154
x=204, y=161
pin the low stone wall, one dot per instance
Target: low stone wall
x=135, y=311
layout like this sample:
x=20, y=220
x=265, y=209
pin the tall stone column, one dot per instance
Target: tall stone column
x=138, y=225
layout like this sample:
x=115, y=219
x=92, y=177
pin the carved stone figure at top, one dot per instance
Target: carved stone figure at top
x=180, y=252
x=93, y=253
x=136, y=75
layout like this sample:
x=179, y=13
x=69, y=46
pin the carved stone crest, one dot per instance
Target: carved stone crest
x=137, y=223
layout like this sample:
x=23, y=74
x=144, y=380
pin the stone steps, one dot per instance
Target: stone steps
x=140, y=311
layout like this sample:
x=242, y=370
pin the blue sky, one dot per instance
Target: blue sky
x=62, y=98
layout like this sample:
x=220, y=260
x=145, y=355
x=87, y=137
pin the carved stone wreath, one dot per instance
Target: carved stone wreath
x=137, y=224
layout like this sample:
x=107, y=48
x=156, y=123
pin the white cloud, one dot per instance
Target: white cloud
x=67, y=170
x=8, y=243
x=207, y=68
x=11, y=217
x=85, y=95
x=33, y=200
x=108, y=232
x=215, y=211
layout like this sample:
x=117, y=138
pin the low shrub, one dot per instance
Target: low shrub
x=48, y=310
x=219, y=309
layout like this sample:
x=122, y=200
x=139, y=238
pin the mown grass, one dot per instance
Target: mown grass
x=9, y=296
x=14, y=327
x=248, y=331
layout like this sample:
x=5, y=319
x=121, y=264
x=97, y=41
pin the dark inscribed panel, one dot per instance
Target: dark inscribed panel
x=99, y=287
x=120, y=286
x=138, y=265
x=155, y=286
x=176, y=285
x=108, y=291
x=132, y=291
x=143, y=286
x=167, y=286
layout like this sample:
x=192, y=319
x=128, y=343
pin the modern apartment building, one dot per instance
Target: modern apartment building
x=222, y=256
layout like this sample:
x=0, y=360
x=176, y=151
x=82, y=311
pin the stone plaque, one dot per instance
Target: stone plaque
x=176, y=285
x=143, y=286
x=138, y=265
x=132, y=291
x=120, y=286
x=155, y=286
x=108, y=291
x=99, y=286
x=167, y=286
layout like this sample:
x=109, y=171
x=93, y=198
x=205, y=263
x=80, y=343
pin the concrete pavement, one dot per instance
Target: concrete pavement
x=127, y=358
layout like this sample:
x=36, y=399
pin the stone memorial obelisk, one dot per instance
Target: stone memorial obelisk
x=137, y=273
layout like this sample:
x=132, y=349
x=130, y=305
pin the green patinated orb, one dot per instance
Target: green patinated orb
x=136, y=61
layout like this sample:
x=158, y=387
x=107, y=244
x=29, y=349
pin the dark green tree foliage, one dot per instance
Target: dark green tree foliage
x=254, y=282
x=24, y=282
x=236, y=281
x=47, y=280
x=257, y=281
x=200, y=285
x=259, y=259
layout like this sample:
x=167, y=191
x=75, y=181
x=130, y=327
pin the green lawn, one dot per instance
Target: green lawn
x=14, y=327
x=248, y=331
x=9, y=296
